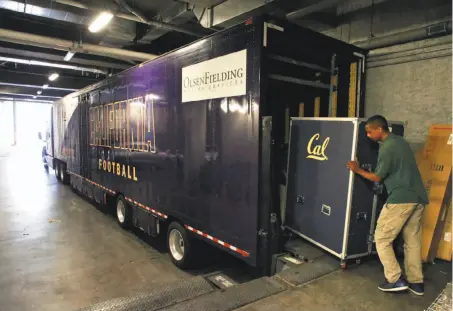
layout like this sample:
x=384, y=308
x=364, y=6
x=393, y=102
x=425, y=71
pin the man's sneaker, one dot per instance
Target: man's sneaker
x=417, y=288
x=398, y=286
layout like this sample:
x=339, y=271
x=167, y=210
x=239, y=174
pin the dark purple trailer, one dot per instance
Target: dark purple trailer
x=194, y=143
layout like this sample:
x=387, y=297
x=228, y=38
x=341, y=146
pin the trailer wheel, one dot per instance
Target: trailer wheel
x=180, y=246
x=57, y=171
x=64, y=177
x=123, y=213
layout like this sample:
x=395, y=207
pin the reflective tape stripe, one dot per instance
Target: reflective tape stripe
x=92, y=182
x=147, y=208
x=224, y=244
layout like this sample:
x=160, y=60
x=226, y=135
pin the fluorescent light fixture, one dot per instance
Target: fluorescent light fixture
x=68, y=56
x=39, y=92
x=151, y=96
x=100, y=21
x=54, y=76
x=35, y=96
x=45, y=86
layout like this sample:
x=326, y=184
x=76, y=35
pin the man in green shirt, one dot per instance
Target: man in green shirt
x=397, y=169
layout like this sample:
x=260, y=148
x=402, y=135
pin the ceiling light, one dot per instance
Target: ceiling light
x=39, y=92
x=151, y=97
x=100, y=21
x=45, y=86
x=35, y=96
x=68, y=56
x=54, y=76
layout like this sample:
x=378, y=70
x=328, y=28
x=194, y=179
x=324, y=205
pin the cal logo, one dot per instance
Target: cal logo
x=317, y=150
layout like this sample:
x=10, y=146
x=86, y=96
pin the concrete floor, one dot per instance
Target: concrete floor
x=61, y=252
x=355, y=289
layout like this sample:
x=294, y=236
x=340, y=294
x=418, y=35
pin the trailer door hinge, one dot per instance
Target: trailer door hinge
x=273, y=218
x=262, y=232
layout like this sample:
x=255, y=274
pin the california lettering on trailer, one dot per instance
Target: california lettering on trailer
x=126, y=124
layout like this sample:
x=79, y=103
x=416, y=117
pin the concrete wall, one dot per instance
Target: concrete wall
x=363, y=21
x=417, y=91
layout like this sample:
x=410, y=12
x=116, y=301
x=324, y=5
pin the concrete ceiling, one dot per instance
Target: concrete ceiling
x=140, y=30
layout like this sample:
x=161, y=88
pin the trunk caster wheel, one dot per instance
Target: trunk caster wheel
x=343, y=265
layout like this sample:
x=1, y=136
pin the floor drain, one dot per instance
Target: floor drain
x=221, y=280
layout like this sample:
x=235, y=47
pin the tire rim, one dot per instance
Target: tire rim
x=61, y=173
x=120, y=211
x=176, y=244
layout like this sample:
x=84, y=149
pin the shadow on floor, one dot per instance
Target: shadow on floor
x=211, y=259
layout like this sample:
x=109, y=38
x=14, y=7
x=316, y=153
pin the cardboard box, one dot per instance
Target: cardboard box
x=435, y=165
x=445, y=245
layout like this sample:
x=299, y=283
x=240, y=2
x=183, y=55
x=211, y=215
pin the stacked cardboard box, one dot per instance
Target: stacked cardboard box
x=435, y=164
x=445, y=249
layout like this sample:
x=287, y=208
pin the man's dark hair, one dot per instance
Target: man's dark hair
x=378, y=121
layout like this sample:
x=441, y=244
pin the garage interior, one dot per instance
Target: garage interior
x=60, y=251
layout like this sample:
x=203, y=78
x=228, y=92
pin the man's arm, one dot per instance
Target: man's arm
x=382, y=169
x=354, y=166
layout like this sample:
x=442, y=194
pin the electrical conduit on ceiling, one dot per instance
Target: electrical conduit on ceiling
x=30, y=95
x=318, y=6
x=53, y=57
x=66, y=45
x=54, y=65
x=37, y=86
x=430, y=31
x=428, y=42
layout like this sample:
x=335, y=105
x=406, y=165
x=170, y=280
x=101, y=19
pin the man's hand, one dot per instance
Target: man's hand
x=353, y=166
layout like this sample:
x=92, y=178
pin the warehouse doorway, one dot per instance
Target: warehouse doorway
x=31, y=121
x=6, y=125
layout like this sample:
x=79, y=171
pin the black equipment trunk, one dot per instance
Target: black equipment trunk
x=327, y=204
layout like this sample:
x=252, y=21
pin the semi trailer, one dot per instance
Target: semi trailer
x=194, y=144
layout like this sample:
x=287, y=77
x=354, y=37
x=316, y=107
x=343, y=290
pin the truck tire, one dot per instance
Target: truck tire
x=64, y=176
x=123, y=213
x=57, y=171
x=180, y=246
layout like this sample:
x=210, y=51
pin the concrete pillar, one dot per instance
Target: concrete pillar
x=14, y=124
